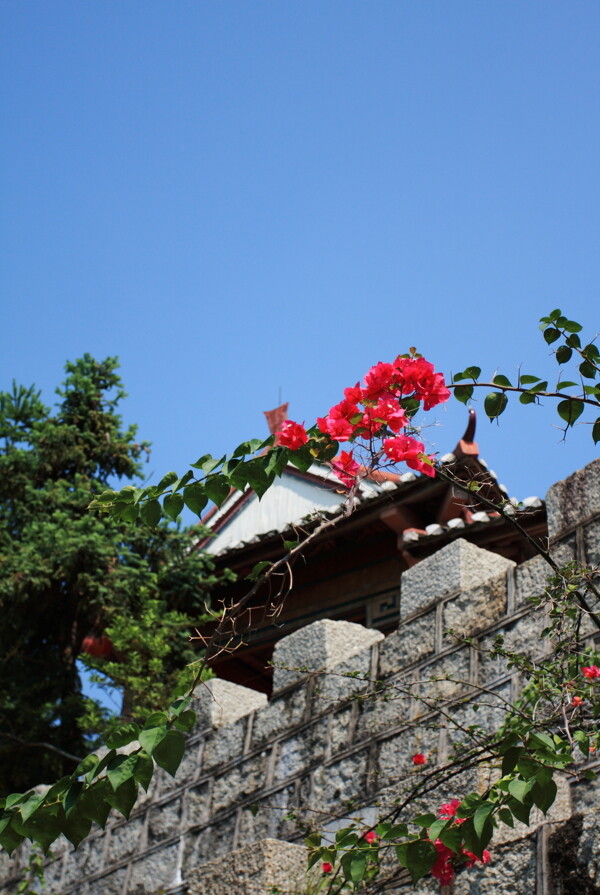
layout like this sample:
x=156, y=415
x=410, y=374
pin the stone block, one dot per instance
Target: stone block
x=300, y=751
x=592, y=544
x=573, y=499
x=525, y=635
x=223, y=745
x=320, y=646
x=84, y=861
x=283, y=712
x=512, y=870
x=111, y=884
x=394, y=763
x=125, y=839
x=198, y=804
x=342, y=782
x=218, y=702
x=456, y=567
x=390, y=708
x=410, y=643
x=240, y=782
x=444, y=679
x=256, y=869
x=164, y=821
x=475, y=609
x=531, y=578
x=155, y=872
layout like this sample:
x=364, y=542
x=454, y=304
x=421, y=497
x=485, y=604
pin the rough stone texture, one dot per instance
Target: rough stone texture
x=392, y=708
x=198, y=804
x=219, y=702
x=255, y=870
x=223, y=746
x=125, y=839
x=111, y=884
x=525, y=635
x=410, y=643
x=444, y=679
x=283, y=712
x=592, y=544
x=475, y=609
x=159, y=868
x=300, y=751
x=321, y=646
x=459, y=566
x=240, y=782
x=530, y=579
x=164, y=821
x=512, y=872
x=335, y=784
x=573, y=499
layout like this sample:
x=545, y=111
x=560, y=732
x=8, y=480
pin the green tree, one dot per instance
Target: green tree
x=67, y=574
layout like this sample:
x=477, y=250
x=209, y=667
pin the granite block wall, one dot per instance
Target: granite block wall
x=322, y=748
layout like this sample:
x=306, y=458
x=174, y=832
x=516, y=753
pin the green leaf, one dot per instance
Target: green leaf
x=257, y=570
x=166, y=480
x=424, y=820
x=121, y=768
x=124, y=798
x=510, y=759
x=195, y=498
x=495, y=404
x=173, y=505
x=463, y=393
x=207, y=463
x=596, y=431
x=75, y=827
x=551, y=335
x=151, y=737
x=93, y=803
x=302, y=459
x=88, y=764
x=566, y=384
x=144, y=769
x=544, y=794
x=186, y=721
x=247, y=447
x=95, y=772
x=71, y=796
x=30, y=806
x=481, y=817
x=169, y=752
x=506, y=817
x=521, y=811
x=452, y=837
x=525, y=379
x=499, y=379
x=123, y=735
x=520, y=789
x=572, y=327
x=570, y=410
x=563, y=354
x=418, y=856
x=588, y=370
x=217, y=488
x=527, y=398
x=256, y=476
x=151, y=513
x=10, y=839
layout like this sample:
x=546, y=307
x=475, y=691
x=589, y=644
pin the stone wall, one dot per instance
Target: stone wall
x=322, y=749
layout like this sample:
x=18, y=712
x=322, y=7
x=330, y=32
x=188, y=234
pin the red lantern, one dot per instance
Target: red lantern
x=100, y=647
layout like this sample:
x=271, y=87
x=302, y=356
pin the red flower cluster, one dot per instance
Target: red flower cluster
x=291, y=435
x=326, y=867
x=375, y=409
x=577, y=701
x=419, y=758
x=370, y=837
x=591, y=672
x=443, y=868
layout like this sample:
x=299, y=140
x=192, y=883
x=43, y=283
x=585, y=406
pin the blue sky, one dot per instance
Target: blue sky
x=243, y=200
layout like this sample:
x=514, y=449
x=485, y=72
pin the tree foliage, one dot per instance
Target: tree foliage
x=67, y=573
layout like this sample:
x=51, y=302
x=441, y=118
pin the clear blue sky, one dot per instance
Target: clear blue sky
x=239, y=198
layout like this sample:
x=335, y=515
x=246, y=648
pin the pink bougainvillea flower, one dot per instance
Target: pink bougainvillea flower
x=449, y=809
x=410, y=450
x=345, y=468
x=419, y=758
x=353, y=393
x=291, y=435
x=591, y=672
x=339, y=429
x=378, y=381
x=577, y=701
x=442, y=869
x=326, y=867
x=473, y=859
x=370, y=837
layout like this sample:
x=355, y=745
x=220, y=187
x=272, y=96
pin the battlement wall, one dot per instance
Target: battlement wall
x=322, y=747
